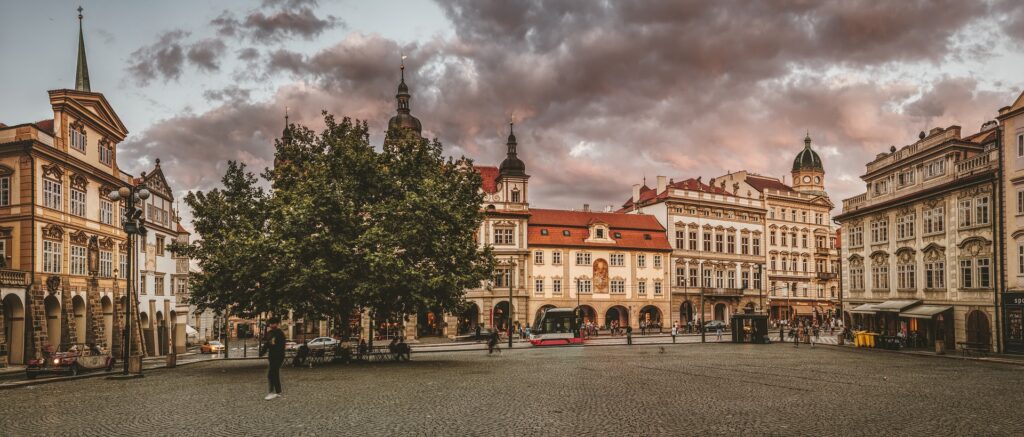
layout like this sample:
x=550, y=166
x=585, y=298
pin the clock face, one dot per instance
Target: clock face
x=807, y=179
x=817, y=179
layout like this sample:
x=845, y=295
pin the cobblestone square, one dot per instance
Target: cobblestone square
x=615, y=390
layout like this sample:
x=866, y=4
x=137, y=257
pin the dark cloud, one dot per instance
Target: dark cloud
x=290, y=19
x=166, y=59
x=205, y=54
x=606, y=93
x=248, y=54
x=232, y=93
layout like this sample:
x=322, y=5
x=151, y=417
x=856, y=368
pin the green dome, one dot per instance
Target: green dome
x=807, y=159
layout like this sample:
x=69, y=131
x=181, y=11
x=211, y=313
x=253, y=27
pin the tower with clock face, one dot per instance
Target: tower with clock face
x=808, y=172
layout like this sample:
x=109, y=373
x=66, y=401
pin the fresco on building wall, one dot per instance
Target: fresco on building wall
x=600, y=276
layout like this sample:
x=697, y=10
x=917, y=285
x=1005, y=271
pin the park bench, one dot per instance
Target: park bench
x=378, y=354
x=967, y=348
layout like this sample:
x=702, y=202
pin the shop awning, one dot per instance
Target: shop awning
x=924, y=311
x=895, y=306
x=803, y=310
x=867, y=308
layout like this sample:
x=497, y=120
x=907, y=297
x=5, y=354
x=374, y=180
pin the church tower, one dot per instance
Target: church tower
x=808, y=173
x=404, y=120
x=512, y=177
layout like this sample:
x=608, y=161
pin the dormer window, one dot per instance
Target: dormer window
x=106, y=152
x=600, y=232
x=76, y=134
x=543, y=231
x=565, y=233
x=647, y=236
x=618, y=235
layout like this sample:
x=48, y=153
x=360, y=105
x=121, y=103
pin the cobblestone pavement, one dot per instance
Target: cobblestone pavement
x=689, y=389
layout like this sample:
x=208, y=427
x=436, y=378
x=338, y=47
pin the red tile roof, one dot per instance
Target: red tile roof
x=45, y=126
x=636, y=231
x=760, y=183
x=691, y=184
x=182, y=230
x=489, y=176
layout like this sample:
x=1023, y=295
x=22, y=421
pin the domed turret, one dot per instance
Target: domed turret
x=404, y=118
x=512, y=165
x=807, y=159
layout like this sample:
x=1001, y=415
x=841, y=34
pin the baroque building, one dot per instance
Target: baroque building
x=919, y=246
x=61, y=237
x=1011, y=131
x=717, y=246
x=801, y=257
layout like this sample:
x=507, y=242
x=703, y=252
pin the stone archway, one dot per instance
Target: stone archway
x=618, y=314
x=78, y=310
x=147, y=331
x=588, y=313
x=720, y=311
x=685, y=312
x=541, y=310
x=469, y=319
x=430, y=323
x=14, y=328
x=52, y=308
x=978, y=329
x=107, y=309
x=160, y=334
x=499, y=316
x=650, y=316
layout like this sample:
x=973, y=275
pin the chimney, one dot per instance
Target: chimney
x=662, y=184
x=636, y=193
x=586, y=207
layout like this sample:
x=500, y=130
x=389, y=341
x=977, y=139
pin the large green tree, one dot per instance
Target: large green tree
x=345, y=226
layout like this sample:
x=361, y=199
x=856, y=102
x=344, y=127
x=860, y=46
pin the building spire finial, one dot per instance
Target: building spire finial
x=82, y=72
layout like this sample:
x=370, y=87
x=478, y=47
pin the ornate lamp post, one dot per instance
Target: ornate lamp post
x=133, y=224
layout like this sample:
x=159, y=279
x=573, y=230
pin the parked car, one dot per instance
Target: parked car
x=70, y=359
x=715, y=325
x=290, y=345
x=323, y=343
x=471, y=336
x=211, y=347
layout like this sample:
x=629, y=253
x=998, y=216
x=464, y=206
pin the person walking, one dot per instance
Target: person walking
x=718, y=332
x=675, y=330
x=782, y=333
x=492, y=343
x=477, y=336
x=274, y=347
x=629, y=335
x=796, y=336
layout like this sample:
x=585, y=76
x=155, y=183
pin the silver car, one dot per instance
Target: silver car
x=322, y=343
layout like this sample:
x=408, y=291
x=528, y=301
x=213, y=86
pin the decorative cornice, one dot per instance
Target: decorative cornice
x=53, y=232
x=79, y=237
x=79, y=182
x=53, y=171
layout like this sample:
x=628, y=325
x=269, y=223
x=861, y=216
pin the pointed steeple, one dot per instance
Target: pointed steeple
x=404, y=119
x=807, y=140
x=512, y=165
x=286, y=135
x=82, y=72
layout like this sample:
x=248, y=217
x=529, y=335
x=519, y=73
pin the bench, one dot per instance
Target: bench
x=967, y=348
x=381, y=354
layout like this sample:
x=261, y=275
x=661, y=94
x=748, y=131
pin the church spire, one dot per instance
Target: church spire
x=287, y=134
x=512, y=165
x=82, y=72
x=404, y=119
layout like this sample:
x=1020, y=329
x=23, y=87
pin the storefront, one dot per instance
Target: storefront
x=1013, y=313
x=923, y=324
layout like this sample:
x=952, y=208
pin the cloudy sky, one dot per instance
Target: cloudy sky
x=604, y=94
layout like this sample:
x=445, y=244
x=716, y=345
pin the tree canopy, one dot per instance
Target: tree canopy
x=344, y=226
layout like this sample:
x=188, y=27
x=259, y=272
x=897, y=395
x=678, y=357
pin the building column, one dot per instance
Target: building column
x=68, y=331
x=94, y=314
x=37, y=309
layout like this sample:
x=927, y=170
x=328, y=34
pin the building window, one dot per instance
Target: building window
x=556, y=287
x=515, y=195
x=719, y=244
x=599, y=232
x=757, y=280
x=792, y=238
x=935, y=168
x=106, y=263
x=731, y=279
x=745, y=245
x=78, y=202
x=905, y=178
x=142, y=283
x=707, y=278
x=981, y=215
x=504, y=236
x=657, y=288
x=934, y=220
x=707, y=242
x=693, y=240
x=583, y=286
x=693, y=277
x=106, y=152
x=538, y=257
x=730, y=244
x=935, y=275
x=880, y=277
x=881, y=187
x=880, y=231
x=819, y=218
x=538, y=286
x=617, y=260
x=757, y=246
x=52, y=194
x=53, y=253
x=181, y=286
x=618, y=286
x=1020, y=145
x=803, y=241
x=106, y=212
x=158, y=285
x=803, y=216
x=966, y=274
x=159, y=245
x=719, y=279
x=680, y=276
x=984, y=270
x=1020, y=202
x=805, y=265
x=502, y=278
x=641, y=261
x=78, y=255
x=773, y=263
x=905, y=226
x=905, y=276
x=856, y=277
x=78, y=138
x=657, y=261
x=856, y=236
x=771, y=238
x=965, y=213
x=556, y=258
x=582, y=258
x=123, y=269
x=680, y=239
x=5, y=191
x=641, y=287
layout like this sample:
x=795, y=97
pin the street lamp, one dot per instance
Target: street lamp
x=511, y=273
x=133, y=224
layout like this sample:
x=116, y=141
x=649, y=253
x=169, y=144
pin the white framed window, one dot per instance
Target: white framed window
x=504, y=236
x=53, y=194
x=880, y=277
x=965, y=212
x=731, y=279
x=78, y=139
x=880, y=231
x=106, y=212
x=905, y=276
x=617, y=260
x=981, y=210
x=857, y=278
x=53, y=253
x=556, y=258
x=641, y=287
x=556, y=287
x=819, y=218
x=707, y=278
x=680, y=239
x=657, y=261
x=583, y=286
x=772, y=239
x=934, y=220
x=935, y=168
x=1020, y=202
x=935, y=275
x=538, y=257
x=692, y=243
x=657, y=288
x=538, y=286
x=707, y=242
x=618, y=286
x=881, y=187
x=984, y=273
x=857, y=236
x=905, y=177
x=719, y=243
x=757, y=280
x=106, y=263
x=745, y=245
x=693, y=277
x=5, y=191
x=905, y=226
x=122, y=266
x=966, y=274
x=719, y=279
x=582, y=258
x=78, y=202
x=757, y=246
x=641, y=261
x=730, y=244
x=106, y=153
x=78, y=255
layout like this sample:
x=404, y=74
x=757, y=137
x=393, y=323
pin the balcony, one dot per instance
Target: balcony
x=855, y=202
x=978, y=164
x=16, y=278
x=726, y=292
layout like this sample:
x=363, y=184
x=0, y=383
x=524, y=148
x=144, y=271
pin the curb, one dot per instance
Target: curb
x=1010, y=362
x=34, y=382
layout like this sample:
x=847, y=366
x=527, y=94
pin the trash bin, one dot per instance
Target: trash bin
x=870, y=337
x=172, y=360
x=858, y=339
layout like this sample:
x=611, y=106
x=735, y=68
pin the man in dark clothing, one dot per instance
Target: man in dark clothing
x=477, y=336
x=629, y=335
x=273, y=344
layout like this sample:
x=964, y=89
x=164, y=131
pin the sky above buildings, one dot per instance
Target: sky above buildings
x=604, y=94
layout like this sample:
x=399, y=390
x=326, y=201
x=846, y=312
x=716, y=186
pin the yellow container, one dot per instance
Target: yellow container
x=858, y=339
x=870, y=337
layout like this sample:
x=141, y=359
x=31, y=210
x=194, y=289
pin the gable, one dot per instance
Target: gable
x=157, y=183
x=91, y=106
